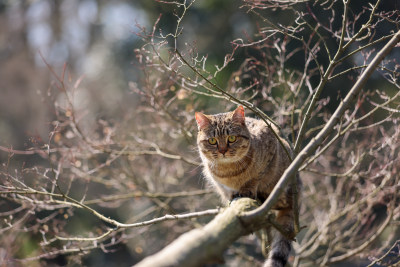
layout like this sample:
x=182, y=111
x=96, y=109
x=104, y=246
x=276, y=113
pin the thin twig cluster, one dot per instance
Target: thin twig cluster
x=306, y=74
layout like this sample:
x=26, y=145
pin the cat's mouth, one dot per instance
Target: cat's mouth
x=225, y=157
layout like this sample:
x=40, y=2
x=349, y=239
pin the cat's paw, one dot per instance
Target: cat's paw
x=240, y=194
x=234, y=198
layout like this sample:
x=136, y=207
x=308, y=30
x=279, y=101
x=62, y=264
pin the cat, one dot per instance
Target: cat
x=242, y=158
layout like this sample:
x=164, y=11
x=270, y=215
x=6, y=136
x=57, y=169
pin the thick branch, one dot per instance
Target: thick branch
x=207, y=244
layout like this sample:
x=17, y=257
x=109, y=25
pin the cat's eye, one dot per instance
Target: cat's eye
x=212, y=141
x=231, y=138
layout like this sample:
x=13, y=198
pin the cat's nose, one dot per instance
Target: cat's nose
x=222, y=150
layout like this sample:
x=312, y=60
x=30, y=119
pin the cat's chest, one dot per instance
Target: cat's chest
x=232, y=177
x=229, y=190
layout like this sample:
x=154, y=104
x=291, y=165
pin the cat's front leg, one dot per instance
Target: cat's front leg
x=249, y=189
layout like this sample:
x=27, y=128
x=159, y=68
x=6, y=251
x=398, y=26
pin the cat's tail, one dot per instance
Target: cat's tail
x=281, y=245
x=279, y=253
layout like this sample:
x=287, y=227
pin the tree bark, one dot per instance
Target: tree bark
x=206, y=245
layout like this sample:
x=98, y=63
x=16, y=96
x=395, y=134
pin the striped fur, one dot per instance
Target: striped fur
x=248, y=167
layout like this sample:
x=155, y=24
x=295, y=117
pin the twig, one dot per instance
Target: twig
x=317, y=141
x=352, y=252
x=230, y=97
x=397, y=243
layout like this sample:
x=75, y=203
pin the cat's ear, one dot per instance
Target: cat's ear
x=202, y=120
x=238, y=115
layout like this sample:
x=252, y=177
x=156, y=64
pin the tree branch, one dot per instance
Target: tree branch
x=317, y=141
x=206, y=245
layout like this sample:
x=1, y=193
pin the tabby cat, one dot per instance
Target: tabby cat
x=243, y=158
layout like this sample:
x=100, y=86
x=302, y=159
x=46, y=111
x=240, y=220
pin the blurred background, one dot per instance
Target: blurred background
x=96, y=40
x=110, y=102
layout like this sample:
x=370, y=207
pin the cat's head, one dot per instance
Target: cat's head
x=223, y=137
